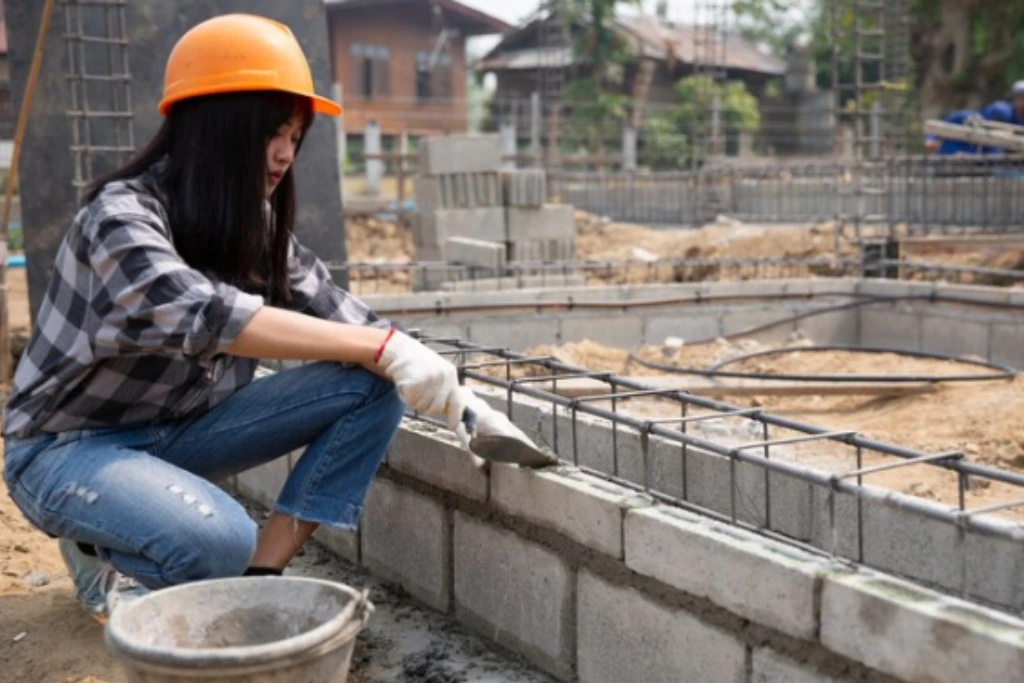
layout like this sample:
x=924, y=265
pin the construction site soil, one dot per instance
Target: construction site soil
x=979, y=419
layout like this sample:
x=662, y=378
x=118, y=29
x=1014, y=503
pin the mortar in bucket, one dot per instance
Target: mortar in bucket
x=257, y=630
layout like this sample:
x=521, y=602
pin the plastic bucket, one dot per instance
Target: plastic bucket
x=258, y=630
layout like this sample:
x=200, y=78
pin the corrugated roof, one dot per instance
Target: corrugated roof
x=654, y=39
x=477, y=22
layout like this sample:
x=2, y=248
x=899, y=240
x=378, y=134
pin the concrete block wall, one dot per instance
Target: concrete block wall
x=918, y=324
x=595, y=582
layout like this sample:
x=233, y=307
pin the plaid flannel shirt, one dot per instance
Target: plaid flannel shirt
x=129, y=333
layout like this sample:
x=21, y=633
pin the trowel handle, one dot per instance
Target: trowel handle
x=469, y=419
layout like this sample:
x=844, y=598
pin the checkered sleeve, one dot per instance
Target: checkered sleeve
x=151, y=300
x=314, y=293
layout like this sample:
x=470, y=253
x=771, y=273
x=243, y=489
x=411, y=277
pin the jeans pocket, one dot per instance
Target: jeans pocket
x=19, y=454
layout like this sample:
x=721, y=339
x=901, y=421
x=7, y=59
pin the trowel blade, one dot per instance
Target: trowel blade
x=506, y=449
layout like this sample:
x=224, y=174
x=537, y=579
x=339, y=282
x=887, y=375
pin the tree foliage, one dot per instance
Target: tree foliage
x=963, y=53
x=598, y=102
x=673, y=136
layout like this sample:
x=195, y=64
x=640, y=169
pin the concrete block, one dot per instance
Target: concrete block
x=741, y=320
x=516, y=592
x=914, y=634
x=768, y=666
x=690, y=327
x=832, y=328
x=901, y=541
x=435, y=457
x=429, y=194
x=549, y=222
x=521, y=334
x=890, y=329
x=543, y=250
x=344, y=544
x=584, y=508
x=709, y=481
x=460, y=154
x=768, y=583
x=406, y=538
x=622, y=331
x=624, y=636
x=955, y=337
x=475, y=253
x=525, y=188
x=1007, y=344
x=436, y=227
x=263, y=484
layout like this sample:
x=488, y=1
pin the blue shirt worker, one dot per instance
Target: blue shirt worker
x=999, y=112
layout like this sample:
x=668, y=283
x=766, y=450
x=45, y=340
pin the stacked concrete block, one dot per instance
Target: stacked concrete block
x=525, y=188
x=462, y=192
x=478, y=254
x=542, y=233
x=460, y=154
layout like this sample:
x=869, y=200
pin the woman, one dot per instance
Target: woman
x=180, y=271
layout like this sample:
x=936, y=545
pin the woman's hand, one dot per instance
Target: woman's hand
x=425, y=380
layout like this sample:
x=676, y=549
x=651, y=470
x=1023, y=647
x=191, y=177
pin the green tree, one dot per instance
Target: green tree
x=595, y=94
x=672, y=137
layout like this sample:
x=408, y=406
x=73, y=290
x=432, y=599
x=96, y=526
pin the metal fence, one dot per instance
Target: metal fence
x=918, y=195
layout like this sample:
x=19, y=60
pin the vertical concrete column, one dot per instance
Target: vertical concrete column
x=338, y=92
x=374, y=167
x=508, y=145
x=536, y=116
x=629, y=141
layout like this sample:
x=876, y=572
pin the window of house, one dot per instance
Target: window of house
x=433, y=75
x=371, y=65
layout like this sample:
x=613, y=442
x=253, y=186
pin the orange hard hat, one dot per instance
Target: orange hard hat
x=239, y=52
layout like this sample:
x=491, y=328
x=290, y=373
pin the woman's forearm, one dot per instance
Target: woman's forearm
x=285, y=335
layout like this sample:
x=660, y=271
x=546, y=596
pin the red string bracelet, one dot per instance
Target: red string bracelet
x=380, y=351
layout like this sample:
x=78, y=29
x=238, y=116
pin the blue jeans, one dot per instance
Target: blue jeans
x=142, y=493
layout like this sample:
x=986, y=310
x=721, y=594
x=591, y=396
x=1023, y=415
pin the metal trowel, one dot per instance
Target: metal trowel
x=505, y=449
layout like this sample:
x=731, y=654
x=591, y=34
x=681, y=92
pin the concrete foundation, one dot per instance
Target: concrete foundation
x=628, y=316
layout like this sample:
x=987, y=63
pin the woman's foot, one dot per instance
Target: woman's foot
x=99, y=588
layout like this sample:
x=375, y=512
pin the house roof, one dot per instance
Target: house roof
x=653, y=38
x=469, y=21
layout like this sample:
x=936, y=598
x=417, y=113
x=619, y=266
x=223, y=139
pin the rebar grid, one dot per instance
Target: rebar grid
x=495, y=367
x=99, y=87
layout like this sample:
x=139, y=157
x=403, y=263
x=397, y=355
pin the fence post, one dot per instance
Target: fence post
x=339, y=128
x=403, y=154
x=629, y=141
x=508, y=145
x=374, y=166
x=536, y=116
x=716, y=148
x=876, y=129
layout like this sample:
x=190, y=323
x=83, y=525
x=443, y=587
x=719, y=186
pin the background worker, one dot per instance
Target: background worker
x=1001, y=111
x=180, y=271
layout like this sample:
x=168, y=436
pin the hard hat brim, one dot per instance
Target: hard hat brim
x=321, y=105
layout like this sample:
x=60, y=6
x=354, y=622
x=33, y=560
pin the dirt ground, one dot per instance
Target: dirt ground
x=980, y=419
x=61, y=644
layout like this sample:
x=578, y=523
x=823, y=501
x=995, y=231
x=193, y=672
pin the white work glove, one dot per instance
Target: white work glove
x=489, y=422
x=425, y=380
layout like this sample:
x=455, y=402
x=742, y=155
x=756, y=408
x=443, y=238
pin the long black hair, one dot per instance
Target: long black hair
x=214, y=185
